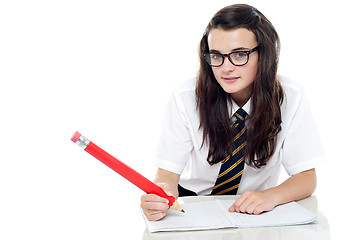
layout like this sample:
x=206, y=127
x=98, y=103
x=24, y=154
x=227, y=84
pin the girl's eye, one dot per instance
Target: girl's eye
x=215, y=56
x=238, y=55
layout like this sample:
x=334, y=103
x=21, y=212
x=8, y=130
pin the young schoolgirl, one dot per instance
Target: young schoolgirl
x=231, y=129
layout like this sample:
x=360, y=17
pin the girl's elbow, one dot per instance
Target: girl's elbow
x=312, y=181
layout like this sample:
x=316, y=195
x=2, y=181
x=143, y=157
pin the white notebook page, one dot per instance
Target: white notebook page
x=283, y=215
x=215, y=214
x=197, y=216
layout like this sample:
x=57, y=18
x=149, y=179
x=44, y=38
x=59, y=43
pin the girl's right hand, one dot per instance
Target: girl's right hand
x=155, y=207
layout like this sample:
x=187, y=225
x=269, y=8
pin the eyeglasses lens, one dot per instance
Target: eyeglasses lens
x=217, y=59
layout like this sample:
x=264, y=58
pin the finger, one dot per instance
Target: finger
x=153, y=198
x=156, y=216
x=155, y=206
x=232, y=208
x=251, y=207
x=258, y=210
x=151, y=202
x=238, y=203
x=243, y=207
x=154, y=211
x=263, y=208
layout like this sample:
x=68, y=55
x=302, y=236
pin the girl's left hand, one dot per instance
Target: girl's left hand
x=253, y=202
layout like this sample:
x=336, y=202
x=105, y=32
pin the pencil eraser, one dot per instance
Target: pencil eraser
x=75, y=136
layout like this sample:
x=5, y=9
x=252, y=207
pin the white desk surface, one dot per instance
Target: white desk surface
x=320, y=230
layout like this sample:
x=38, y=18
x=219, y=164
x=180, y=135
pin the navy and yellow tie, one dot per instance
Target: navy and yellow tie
x=232, y=166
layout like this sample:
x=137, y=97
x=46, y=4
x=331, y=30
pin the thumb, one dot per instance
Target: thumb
x=166, y=188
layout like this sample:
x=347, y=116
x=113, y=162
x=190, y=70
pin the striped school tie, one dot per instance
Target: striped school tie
x=232, y=166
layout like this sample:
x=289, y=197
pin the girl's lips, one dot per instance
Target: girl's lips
x=230, y=79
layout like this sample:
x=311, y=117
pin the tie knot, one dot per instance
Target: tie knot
x=240, y=115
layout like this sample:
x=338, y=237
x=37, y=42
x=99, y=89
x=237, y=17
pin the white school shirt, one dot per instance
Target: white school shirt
x=298, y=147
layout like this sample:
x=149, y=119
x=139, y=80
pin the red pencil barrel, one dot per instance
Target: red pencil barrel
x=127, y=172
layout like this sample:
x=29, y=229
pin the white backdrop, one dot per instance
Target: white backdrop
x=77, y=65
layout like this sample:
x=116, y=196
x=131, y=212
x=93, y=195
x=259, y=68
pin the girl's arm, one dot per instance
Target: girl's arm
x=155, y=207
x=295, y=188
x=164, y=176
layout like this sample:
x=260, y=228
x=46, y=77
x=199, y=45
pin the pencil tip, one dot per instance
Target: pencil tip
x=178, y=207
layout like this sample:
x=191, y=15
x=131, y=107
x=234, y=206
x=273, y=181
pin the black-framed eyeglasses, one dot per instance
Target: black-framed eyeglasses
x=237, y=58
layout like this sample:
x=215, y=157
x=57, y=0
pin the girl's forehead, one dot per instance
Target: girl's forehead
x=227, y=40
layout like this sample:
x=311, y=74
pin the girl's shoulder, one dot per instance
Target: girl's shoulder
x=186, y=86
x=289, y=84
x=183, y=94
x=293, y=91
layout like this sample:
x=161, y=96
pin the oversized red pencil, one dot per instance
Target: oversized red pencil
x=124, y=170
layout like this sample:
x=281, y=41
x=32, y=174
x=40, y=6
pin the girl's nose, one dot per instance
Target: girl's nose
x=227, y=65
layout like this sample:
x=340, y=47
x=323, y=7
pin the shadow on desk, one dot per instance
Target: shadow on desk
x=319, y=230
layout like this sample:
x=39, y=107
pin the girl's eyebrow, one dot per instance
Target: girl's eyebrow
x=233, y=50
x=240, y=49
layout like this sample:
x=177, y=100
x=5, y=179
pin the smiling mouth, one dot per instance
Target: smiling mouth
x=230, y=79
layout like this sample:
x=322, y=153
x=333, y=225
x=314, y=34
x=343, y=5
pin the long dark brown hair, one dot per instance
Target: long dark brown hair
x=213, y=101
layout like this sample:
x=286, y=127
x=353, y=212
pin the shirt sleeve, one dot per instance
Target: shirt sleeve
x=175, y=144
x=302, y=147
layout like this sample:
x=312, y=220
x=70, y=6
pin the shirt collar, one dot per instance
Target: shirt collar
x=234, y=107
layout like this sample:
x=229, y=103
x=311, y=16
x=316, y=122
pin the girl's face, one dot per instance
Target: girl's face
x=235, y=80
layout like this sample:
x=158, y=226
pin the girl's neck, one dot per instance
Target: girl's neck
x=241, y=98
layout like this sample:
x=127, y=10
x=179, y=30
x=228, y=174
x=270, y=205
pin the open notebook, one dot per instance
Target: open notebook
x=215, y=214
